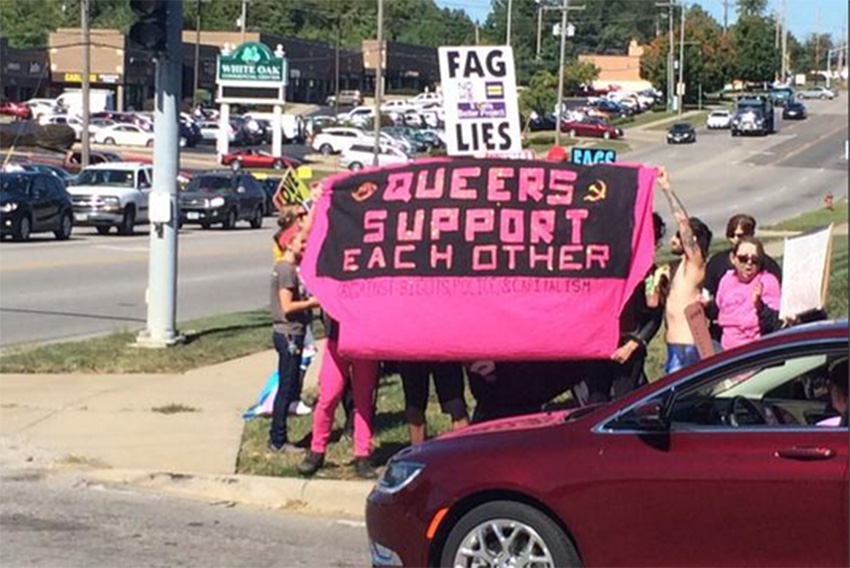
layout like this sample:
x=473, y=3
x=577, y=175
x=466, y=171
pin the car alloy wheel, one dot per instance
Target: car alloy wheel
x=24, y=228
x=355, y=166
x=326, y=149
x=606, y=135
x=63, y=233
x=149, y=143
x=508, y=533
x=278, y=165
x=257, y=219
x=235, y=165
x=110, y=141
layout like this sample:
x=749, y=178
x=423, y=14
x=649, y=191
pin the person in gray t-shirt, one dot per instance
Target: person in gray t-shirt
x=291, y=315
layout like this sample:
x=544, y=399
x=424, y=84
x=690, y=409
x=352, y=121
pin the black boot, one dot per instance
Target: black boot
x=312, y=463
x=364, y=469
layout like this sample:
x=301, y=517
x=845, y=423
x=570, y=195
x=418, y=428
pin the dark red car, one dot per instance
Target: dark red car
x=18, y=110
x=591, y=127
x=724, y=463
x=256, y=159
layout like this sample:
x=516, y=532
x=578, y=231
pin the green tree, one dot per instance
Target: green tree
x=751, y=7
x=28, y=24
x=540, y=95
x=757, y=56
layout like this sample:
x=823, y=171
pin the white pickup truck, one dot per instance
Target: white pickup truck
x=112, y=194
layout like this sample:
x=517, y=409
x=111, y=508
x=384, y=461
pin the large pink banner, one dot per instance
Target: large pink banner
x=467, y=259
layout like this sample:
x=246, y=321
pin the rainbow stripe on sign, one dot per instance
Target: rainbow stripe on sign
x=495, y=90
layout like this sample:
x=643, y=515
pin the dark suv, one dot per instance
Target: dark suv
x=222, y=197
x=34, y=203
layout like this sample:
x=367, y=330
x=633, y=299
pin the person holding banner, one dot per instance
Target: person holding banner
x=747, y=301
x=691, y=242
x=448, y=382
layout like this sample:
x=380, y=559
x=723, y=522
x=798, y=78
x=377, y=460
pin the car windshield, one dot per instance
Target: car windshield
x=681, y=127
x=208, y=184
x=112, y=178
x=11, y=183
x=720, y=113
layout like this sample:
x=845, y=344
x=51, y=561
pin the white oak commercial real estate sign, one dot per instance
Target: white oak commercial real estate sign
x=480, y=100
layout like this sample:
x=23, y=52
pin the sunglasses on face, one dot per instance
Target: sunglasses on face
x=747, y=258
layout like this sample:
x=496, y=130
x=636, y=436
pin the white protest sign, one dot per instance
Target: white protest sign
x=805, y=273
x=480, y=100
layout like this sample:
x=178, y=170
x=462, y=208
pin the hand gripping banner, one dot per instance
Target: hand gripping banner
x=464, y=259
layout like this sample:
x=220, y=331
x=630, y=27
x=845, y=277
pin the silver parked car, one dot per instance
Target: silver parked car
x=816, y=93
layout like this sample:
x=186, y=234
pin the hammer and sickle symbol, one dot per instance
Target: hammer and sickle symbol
x=596, y=191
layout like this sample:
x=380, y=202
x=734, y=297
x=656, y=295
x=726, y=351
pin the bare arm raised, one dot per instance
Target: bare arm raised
x=693, y=252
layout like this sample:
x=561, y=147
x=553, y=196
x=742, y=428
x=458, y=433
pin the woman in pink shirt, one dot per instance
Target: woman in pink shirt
x=747, y=296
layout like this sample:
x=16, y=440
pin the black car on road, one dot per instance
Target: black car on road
x=794, y=111
x=222, y=198
x=681, y=133
x=33, y=202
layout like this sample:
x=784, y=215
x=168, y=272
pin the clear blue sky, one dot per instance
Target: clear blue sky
x=802, y=14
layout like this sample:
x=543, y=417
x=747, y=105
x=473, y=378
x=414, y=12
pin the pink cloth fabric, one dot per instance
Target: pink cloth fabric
x=332, y=377
x=737, y=315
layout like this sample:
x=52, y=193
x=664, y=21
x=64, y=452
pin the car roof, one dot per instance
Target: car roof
x=118, y=166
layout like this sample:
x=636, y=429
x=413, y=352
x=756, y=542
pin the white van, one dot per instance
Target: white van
x=99, y=100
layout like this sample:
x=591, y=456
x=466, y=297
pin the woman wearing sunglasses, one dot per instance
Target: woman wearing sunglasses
x=747, y=298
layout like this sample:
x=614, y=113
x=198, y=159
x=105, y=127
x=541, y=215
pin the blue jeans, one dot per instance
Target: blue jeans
x=289, y=370
x=680, y=355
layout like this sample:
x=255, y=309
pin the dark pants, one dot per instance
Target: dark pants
x=609, y=380
x=448, y=382
x=288, y=368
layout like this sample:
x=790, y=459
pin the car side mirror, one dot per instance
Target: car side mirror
x=650, y=416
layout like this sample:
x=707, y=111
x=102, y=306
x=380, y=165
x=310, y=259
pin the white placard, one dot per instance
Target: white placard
x=480, y=100
x=159, y=207
x=805, y=273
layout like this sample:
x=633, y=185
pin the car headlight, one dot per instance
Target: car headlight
x=398, y=475
x=216, y=202
x=9, y=207
x=111, y=200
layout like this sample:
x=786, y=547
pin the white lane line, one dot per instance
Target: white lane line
x=355, y=524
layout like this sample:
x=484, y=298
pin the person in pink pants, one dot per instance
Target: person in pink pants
x=335, y=370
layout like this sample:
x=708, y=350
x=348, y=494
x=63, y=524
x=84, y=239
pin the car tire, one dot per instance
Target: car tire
x=149, y=143
x=514, y=516
x=354, y=166
x=205, y=226
x=103, y=229
x=128, y=223
x=66, y=225
x=326, y=149
x=230, y=221
x=23, y=230
x=235, y=165
x=109, y=141
x=257, y=219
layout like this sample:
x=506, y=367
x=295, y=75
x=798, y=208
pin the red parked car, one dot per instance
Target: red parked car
x=18, y=110
x=256, y=159
x=723, y=463
x=591, y=127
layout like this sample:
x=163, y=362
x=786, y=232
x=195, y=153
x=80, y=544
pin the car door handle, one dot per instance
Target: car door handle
x=806, y=454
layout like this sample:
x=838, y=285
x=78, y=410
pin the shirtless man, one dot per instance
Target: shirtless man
x=691, y=242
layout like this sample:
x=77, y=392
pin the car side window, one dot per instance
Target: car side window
x=39, y=189
x=786, y=392
x=144, y=179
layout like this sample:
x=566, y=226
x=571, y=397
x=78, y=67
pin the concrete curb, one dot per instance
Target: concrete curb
x=323, y=497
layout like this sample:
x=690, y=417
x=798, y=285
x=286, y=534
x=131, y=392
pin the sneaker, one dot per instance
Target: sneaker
x=364, y=469
x=299, y=408
x=286, y=448
x=311, y=464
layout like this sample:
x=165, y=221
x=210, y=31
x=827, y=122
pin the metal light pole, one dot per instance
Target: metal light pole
x=560, y=106
x=84, y=135
x=670, y=76
x=244, y=18
x=336, y=58
x=508, y=31
x=379, y=79
x=197, y=54
x=161, y=330
x=539, y=28
x=681, y=85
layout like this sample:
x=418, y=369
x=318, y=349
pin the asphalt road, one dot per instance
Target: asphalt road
x=93, y=284
x=47, y=521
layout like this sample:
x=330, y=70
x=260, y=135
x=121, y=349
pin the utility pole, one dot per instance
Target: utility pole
x=508, y=30
x=244, y=18
x=725, y=16
x=680, y=86
x=197, y=54
x=477, y=35
x=670, y=78
x=84, y=135
x=539, y=28
x=817, y=38
x=336, y=57
x=379, y=79
x=161, y=330
x=784, y=66
x=565, y=8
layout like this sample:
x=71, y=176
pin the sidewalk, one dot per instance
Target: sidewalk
x=107, y=423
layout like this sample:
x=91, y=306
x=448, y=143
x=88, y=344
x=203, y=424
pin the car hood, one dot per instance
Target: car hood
x=515, y=423
x=99, y=190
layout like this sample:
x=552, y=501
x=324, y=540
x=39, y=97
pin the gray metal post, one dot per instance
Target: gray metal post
x=379, y=79
x=162, y=269
x=539, y=29
x=681, y=84
x=197, y=62
x=559, y=109
x=84, y=135
x=508, y=30
x=242, y=21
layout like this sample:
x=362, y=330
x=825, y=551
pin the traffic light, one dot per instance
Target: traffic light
x=147, y=33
